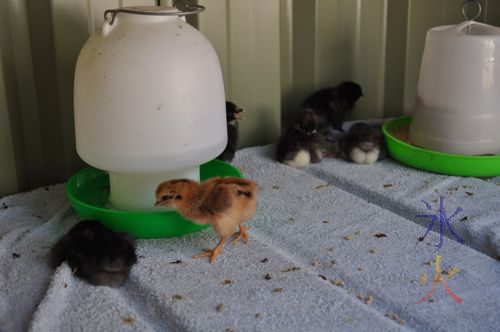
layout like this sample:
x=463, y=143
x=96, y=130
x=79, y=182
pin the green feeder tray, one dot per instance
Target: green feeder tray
x=438, y=162
x=88, y=192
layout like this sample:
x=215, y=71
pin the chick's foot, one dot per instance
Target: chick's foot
x=212, y=254
x=241, y=235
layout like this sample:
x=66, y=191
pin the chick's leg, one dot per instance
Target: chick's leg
x=212, y=253
x=242, y=235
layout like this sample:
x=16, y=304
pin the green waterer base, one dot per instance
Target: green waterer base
x=88, y=192
x=438, y=162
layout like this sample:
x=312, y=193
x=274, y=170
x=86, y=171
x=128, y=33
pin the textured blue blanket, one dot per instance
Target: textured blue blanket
x=332, y=247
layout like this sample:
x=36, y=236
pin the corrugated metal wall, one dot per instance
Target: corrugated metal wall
x=273, y=53
x=318, y=43
x=39, y=43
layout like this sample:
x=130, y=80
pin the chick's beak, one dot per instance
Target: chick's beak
x=237, y=115
x=158, y=203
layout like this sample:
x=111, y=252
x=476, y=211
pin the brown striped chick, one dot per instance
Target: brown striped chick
x=224, y=203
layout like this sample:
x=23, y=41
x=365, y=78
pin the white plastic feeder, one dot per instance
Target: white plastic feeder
x=149, y=102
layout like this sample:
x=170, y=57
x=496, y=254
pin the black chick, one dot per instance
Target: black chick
x=232, y=116
x=302, y=143
x=96, y=254
x=362, y=144
x=333, y=104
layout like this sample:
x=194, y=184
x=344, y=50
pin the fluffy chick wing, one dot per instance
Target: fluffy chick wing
x=223, y=193
x=239, y=187
x=229, y=202
x=217, y=198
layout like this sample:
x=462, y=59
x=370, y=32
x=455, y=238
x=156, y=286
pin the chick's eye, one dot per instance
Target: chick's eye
x=178, y=197
x=165, y=197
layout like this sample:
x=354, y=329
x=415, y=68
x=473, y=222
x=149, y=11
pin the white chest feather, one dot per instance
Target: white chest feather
x=301, y=159
x=362, y=157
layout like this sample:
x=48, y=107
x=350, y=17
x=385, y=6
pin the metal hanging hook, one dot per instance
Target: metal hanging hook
x=182, y=11
x=464, y=9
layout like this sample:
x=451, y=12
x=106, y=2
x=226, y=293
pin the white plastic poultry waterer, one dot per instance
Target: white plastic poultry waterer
x=457, y=108
x=149, y=102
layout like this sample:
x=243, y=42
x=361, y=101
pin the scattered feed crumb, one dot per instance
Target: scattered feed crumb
x=361, y=296
x=395, y=318
x=315, y=263
x=446, y=271
x=429, y=262
x=268, y=276
x=141, y=257
x=321, y=186
x=219, y=307
x=265, y=260
x=278, y=290
x=128, y=320
x=333, y=262
x=14, y=255
x=65, y=285
x=431, y=300
x=387, y=185
x=401, y=133
x=176, y=297
x=379, y=235
x=229, y=330
x=434, y=200
x=469, y=193
x=257, y=315
x=348, y=237
x=226, y=282
x=323, y=277
x=360, y=268
x=420, y=238
x=338, y=282
x=369, y=300
x=291, y=269
x=276, y=187
x=331, y=248
x=349, y=320
x=464, y=218
x=358, y=232
x=326, y=221
x=373, y=251
x=176, y=262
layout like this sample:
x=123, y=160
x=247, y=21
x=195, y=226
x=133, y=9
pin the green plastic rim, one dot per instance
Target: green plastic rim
x=438, y=162
x=88, y=192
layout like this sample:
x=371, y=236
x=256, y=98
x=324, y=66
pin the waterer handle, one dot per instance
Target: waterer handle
x=189, y=10
x=459, y=27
